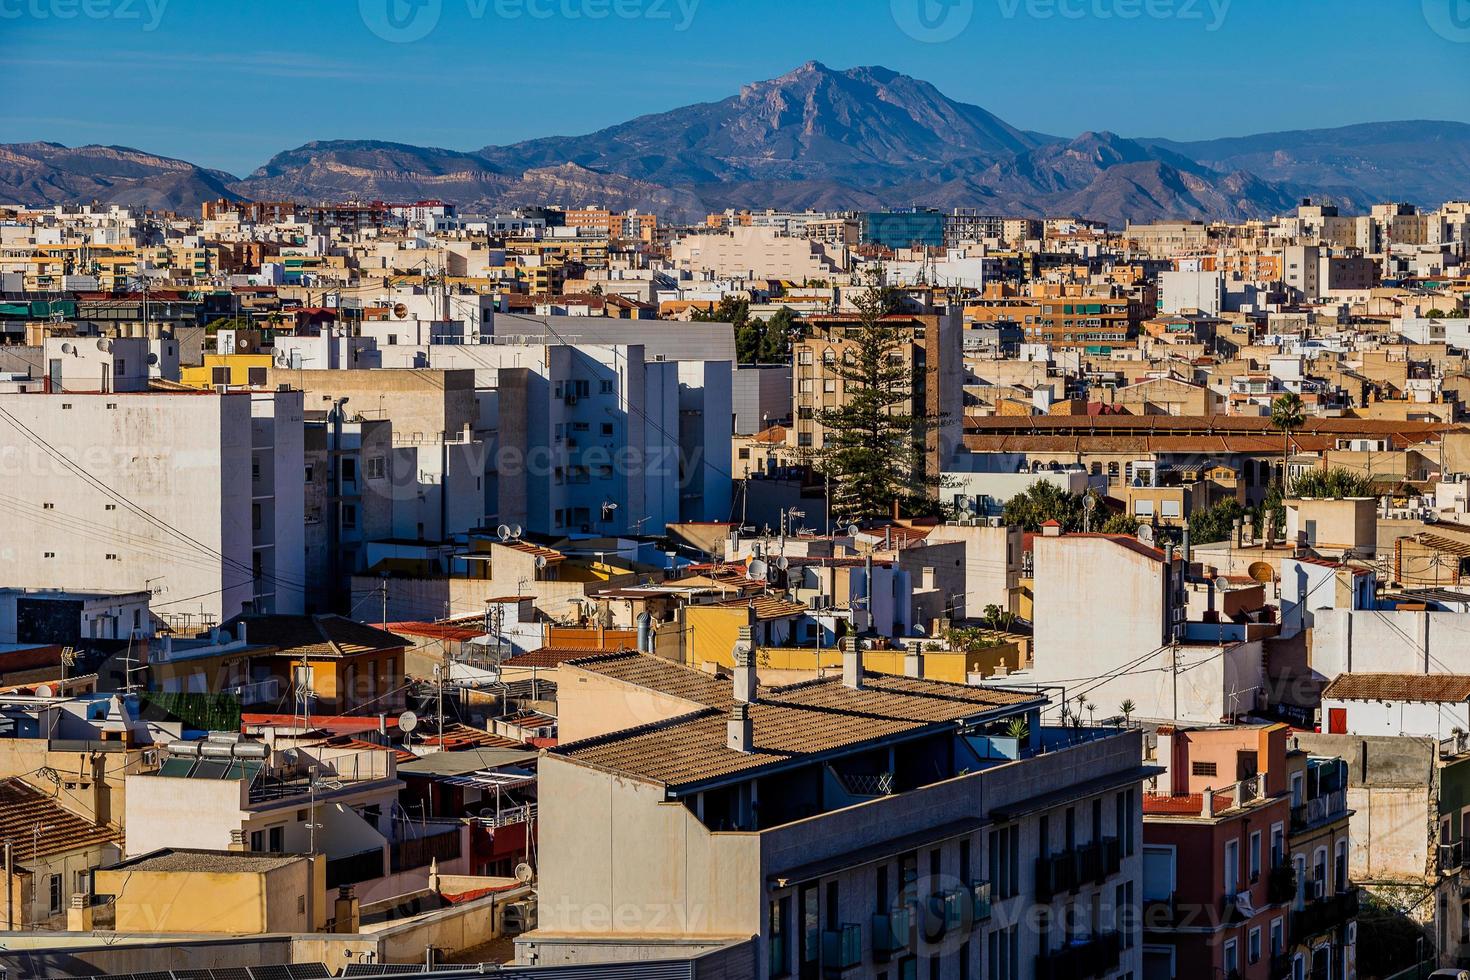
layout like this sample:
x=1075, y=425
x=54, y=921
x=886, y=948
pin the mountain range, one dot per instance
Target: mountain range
x=862, y=138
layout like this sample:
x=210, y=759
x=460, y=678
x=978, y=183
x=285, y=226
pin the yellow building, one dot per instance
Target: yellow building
x=227, y=369
x=225, y=892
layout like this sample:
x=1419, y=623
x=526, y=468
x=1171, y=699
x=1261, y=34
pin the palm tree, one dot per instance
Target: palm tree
x=1287, y=415
x=1127, y=707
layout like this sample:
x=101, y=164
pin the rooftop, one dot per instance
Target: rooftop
x=318, y=636
x=1428, y=688
x=207, y=862
x=790, y=724
x=39, y=827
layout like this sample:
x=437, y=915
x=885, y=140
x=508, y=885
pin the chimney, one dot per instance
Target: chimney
x=852, y=663
x=745, y=676
x=738, y=732
x=913, y=665
x=1051, y=529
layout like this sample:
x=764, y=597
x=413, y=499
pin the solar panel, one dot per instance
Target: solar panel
x=269, y=973
x=307, y=971
x=177, y=768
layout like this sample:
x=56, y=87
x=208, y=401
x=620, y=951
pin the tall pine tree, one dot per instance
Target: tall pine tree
x=874, y=450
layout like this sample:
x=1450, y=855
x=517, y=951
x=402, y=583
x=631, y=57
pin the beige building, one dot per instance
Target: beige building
x=194, y=891
x=759, y=253
x=818, y=817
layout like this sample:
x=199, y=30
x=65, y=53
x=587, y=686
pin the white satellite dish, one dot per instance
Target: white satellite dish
x=503, y=532
x=516, y=531
x=852, y=530
x=68, y=349
x=1146, y=534
x=783, y=563
x=408, y=721
x=523, y=873
x=540, y=562
x=759, y=569
x=1089, y=503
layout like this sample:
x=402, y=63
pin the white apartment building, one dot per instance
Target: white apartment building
x=758, y=253
x=194, y=497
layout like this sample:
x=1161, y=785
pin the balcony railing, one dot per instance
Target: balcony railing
x=1088, y=958
x=420, y=852
x=1281, y=885
x=979, y=901
x=891, y=931
x=1324, y=915
x=1068, y=871
x=354, y=868
x=842, y=948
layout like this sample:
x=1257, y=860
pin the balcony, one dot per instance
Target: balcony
x=979, y=902
x=842, y=948
x=1087, y=958
x=1324, y=915
x=891, y=932
x=1319, y=810
x=1067, y=871
x=1281, y=885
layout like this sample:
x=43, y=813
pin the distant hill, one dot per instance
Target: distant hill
x=861, y=138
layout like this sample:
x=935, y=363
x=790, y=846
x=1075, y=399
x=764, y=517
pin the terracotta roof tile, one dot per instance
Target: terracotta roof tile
x=1453, y=688
x=23, y=809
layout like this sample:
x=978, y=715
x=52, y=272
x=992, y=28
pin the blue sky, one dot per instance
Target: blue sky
x=227, y=83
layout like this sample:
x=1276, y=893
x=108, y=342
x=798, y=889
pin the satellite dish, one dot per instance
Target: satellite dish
x=152, y=359
x=1146, y=534
x=515, y=530
x=408, y=721
x=68, y=349
x=1089, y=503
x=783, y=563
x=852, y=530
x=1261, y=571
x=503, y=531
x=759, y=569
x=400, y=311
x=540, y=562
x=523, y=873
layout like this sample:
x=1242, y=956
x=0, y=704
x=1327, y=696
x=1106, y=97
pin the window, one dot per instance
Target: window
x=1253, y=946
x=53, y=883
x=1278, y=845
x=778, y=915
x=1005, y=861
x=1253, y=859
x=278, y=839
x=349, y=470
x=1143, y=508
x=744, y=452
x=1158, y=873
x=1232, y=867
x=376, y=467
x=255, y=517
x=1340, y=868
x=605, y=387
x=1278, y=936
x=1232, y=957
x=349, y=516
x=257, y=840
x=1202, y=769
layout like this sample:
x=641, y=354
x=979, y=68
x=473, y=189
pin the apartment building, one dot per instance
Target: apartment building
x=1113, y=611
x=194, y=496
x=858, y=824
x=1246, y=859
x=758, y=253
x=930, y=346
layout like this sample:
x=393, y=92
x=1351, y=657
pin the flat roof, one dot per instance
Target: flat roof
x=207, y=862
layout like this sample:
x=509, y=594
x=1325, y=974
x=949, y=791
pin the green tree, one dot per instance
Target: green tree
x=1215, y=523
x=1120, y=523
x=1043, y=501
x=775, y=344
x=1288, y=414
x=874, y=451
x=1333, y=484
